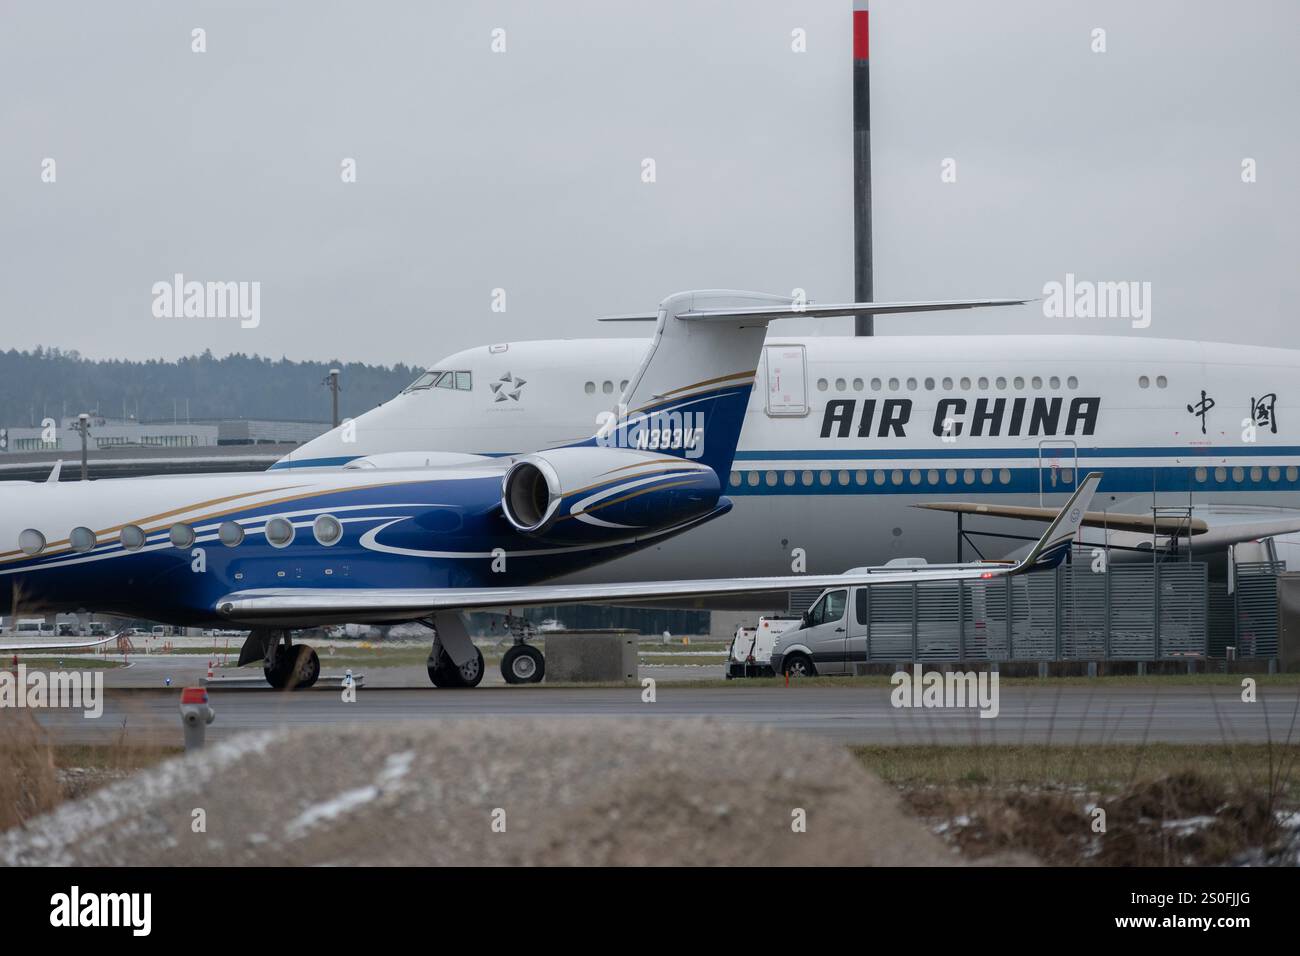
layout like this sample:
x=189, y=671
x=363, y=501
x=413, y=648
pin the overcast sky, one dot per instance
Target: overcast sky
x=522, y=170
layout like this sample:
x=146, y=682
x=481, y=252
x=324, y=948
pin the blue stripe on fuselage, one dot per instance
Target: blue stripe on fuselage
x=851, y=478
x=994, y=454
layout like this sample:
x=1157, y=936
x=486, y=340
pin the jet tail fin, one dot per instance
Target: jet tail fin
x=688, y=397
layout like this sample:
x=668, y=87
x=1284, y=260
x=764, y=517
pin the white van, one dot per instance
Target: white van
x=34, y=626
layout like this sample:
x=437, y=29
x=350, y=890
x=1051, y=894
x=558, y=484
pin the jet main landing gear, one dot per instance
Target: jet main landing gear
x=444, y=672
x=454, y=661
x=286, y=666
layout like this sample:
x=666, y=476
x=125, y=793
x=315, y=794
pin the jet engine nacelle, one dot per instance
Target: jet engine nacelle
x=595, y=493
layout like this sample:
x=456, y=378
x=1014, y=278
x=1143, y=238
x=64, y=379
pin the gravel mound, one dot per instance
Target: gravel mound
x=622, y=792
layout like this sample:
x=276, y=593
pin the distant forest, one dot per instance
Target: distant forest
x=50, y=381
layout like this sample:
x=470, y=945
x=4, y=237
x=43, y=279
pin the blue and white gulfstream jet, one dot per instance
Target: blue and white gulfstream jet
x=289, y=549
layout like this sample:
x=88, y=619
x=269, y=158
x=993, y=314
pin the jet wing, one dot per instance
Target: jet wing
x=1093, y=519
x=302, y=606
x=1212, y=527
x=22, y=647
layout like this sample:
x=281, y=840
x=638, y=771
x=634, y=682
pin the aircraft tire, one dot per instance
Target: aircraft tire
x=303, y=668
x=447, y=674
x=523, y=664
x=276, y=676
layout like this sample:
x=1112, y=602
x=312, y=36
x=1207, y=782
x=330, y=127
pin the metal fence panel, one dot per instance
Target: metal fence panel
x=1222, y=617
x=975, y=620
x=801, y=600
x=889, y=631
x=1084, y=612
x=1183, y=607
x=1132, y=613
x=997, y=620
x=1033, y=630
x=1256, y=608
x=1129, y=612
x=937, y=621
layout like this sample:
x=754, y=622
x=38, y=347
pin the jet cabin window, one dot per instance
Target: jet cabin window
x=828, y=609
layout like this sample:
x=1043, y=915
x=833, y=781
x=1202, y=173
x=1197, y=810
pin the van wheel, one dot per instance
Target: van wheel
x=798, y=665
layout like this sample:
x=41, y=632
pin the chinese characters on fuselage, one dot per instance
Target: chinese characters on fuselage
x=1263, y=411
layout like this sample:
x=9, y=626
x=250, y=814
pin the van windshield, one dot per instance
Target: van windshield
x=829, y=608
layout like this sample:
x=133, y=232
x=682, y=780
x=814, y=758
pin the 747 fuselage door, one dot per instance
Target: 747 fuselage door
x=1058, y=469
x=787, y=380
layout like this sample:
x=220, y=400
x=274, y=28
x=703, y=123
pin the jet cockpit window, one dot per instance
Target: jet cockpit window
x=427, y=380
x=424, y=381
x=440, y=378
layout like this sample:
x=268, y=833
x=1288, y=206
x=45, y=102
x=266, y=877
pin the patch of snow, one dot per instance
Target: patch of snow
x=395, y=768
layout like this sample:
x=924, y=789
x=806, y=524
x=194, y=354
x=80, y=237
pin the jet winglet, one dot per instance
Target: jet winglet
x=1055, y=542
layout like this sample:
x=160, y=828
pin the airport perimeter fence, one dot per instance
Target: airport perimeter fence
x=1254, y=609
x=1143, y=612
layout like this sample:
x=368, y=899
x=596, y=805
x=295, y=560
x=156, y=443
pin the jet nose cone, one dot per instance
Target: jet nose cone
x=390, y=427
x=330, y=449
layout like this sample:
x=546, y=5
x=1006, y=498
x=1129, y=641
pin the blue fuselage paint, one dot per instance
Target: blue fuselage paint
x=396, y=534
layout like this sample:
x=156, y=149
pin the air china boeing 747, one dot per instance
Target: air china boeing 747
x=861, y=449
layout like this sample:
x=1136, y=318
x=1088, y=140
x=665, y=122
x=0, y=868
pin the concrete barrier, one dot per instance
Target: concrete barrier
x=591, y=656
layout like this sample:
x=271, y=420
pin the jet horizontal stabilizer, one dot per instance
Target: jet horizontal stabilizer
x=797, y=311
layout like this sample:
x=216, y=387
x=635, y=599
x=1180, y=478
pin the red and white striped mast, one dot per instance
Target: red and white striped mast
x=862, y=284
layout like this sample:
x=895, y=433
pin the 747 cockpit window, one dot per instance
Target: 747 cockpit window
x=426, y=380
x=440, y=378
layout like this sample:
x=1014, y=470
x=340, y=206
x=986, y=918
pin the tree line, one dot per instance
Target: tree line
x=53, y=382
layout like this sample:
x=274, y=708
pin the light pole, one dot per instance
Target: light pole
x=862, y=277
x=332, y=380
x=83, y=426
